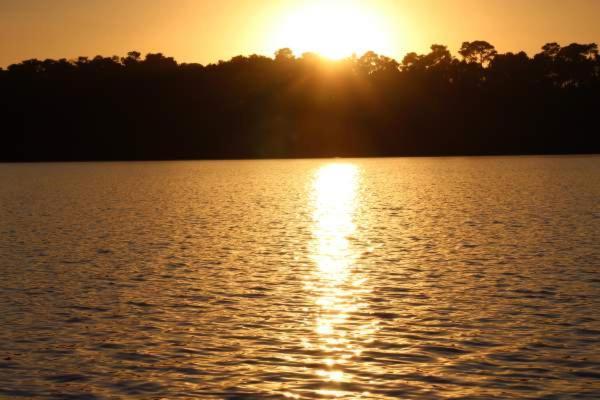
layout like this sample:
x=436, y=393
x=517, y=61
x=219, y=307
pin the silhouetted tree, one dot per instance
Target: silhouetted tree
x=158, y=62
x=133, y=58
x=550, y=50
x=572, y=65
x=479, y=52
x=285, y=54
x=255, y=106
x=439, y=57
x=372, y=62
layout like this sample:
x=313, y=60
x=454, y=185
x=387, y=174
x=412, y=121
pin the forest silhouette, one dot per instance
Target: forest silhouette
x=479, y=102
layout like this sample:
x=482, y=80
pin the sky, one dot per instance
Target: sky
x=206, y=31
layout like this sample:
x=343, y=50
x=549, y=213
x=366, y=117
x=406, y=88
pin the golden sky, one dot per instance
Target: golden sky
x=205, y=31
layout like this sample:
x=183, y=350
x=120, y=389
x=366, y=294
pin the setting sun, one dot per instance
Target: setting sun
x=295, y=199
x=334, y=29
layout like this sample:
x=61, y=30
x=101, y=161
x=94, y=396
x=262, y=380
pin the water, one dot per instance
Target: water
x=384, y=278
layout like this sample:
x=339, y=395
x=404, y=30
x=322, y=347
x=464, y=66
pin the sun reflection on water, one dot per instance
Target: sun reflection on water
x=335, y=285
x=335, y=188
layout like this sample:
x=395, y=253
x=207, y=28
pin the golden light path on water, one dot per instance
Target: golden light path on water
x=337, y=285
x=403, y=278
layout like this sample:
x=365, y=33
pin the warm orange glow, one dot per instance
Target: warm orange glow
x=206, y=31
x=336, y=287
x=335, y=191
x=335, y=29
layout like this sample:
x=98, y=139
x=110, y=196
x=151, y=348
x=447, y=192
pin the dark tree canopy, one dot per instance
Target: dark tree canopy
x=285, y=54
x=151, y=107
x=479, y=52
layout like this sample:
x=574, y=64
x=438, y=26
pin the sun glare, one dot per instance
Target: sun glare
x=334, y=29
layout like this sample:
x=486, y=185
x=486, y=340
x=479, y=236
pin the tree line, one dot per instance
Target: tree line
x=479, y=102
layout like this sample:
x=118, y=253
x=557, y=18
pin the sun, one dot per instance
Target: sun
x=334, y=29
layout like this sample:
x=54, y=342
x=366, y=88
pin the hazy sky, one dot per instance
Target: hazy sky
x=208, y=30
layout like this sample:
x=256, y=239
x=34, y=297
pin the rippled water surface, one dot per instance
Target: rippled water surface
x=472, y=278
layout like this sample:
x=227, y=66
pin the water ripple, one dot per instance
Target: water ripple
x=464, y=278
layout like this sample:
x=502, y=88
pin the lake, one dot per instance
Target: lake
x=462, y=278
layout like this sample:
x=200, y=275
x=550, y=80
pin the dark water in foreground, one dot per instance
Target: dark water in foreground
x=410, y=278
